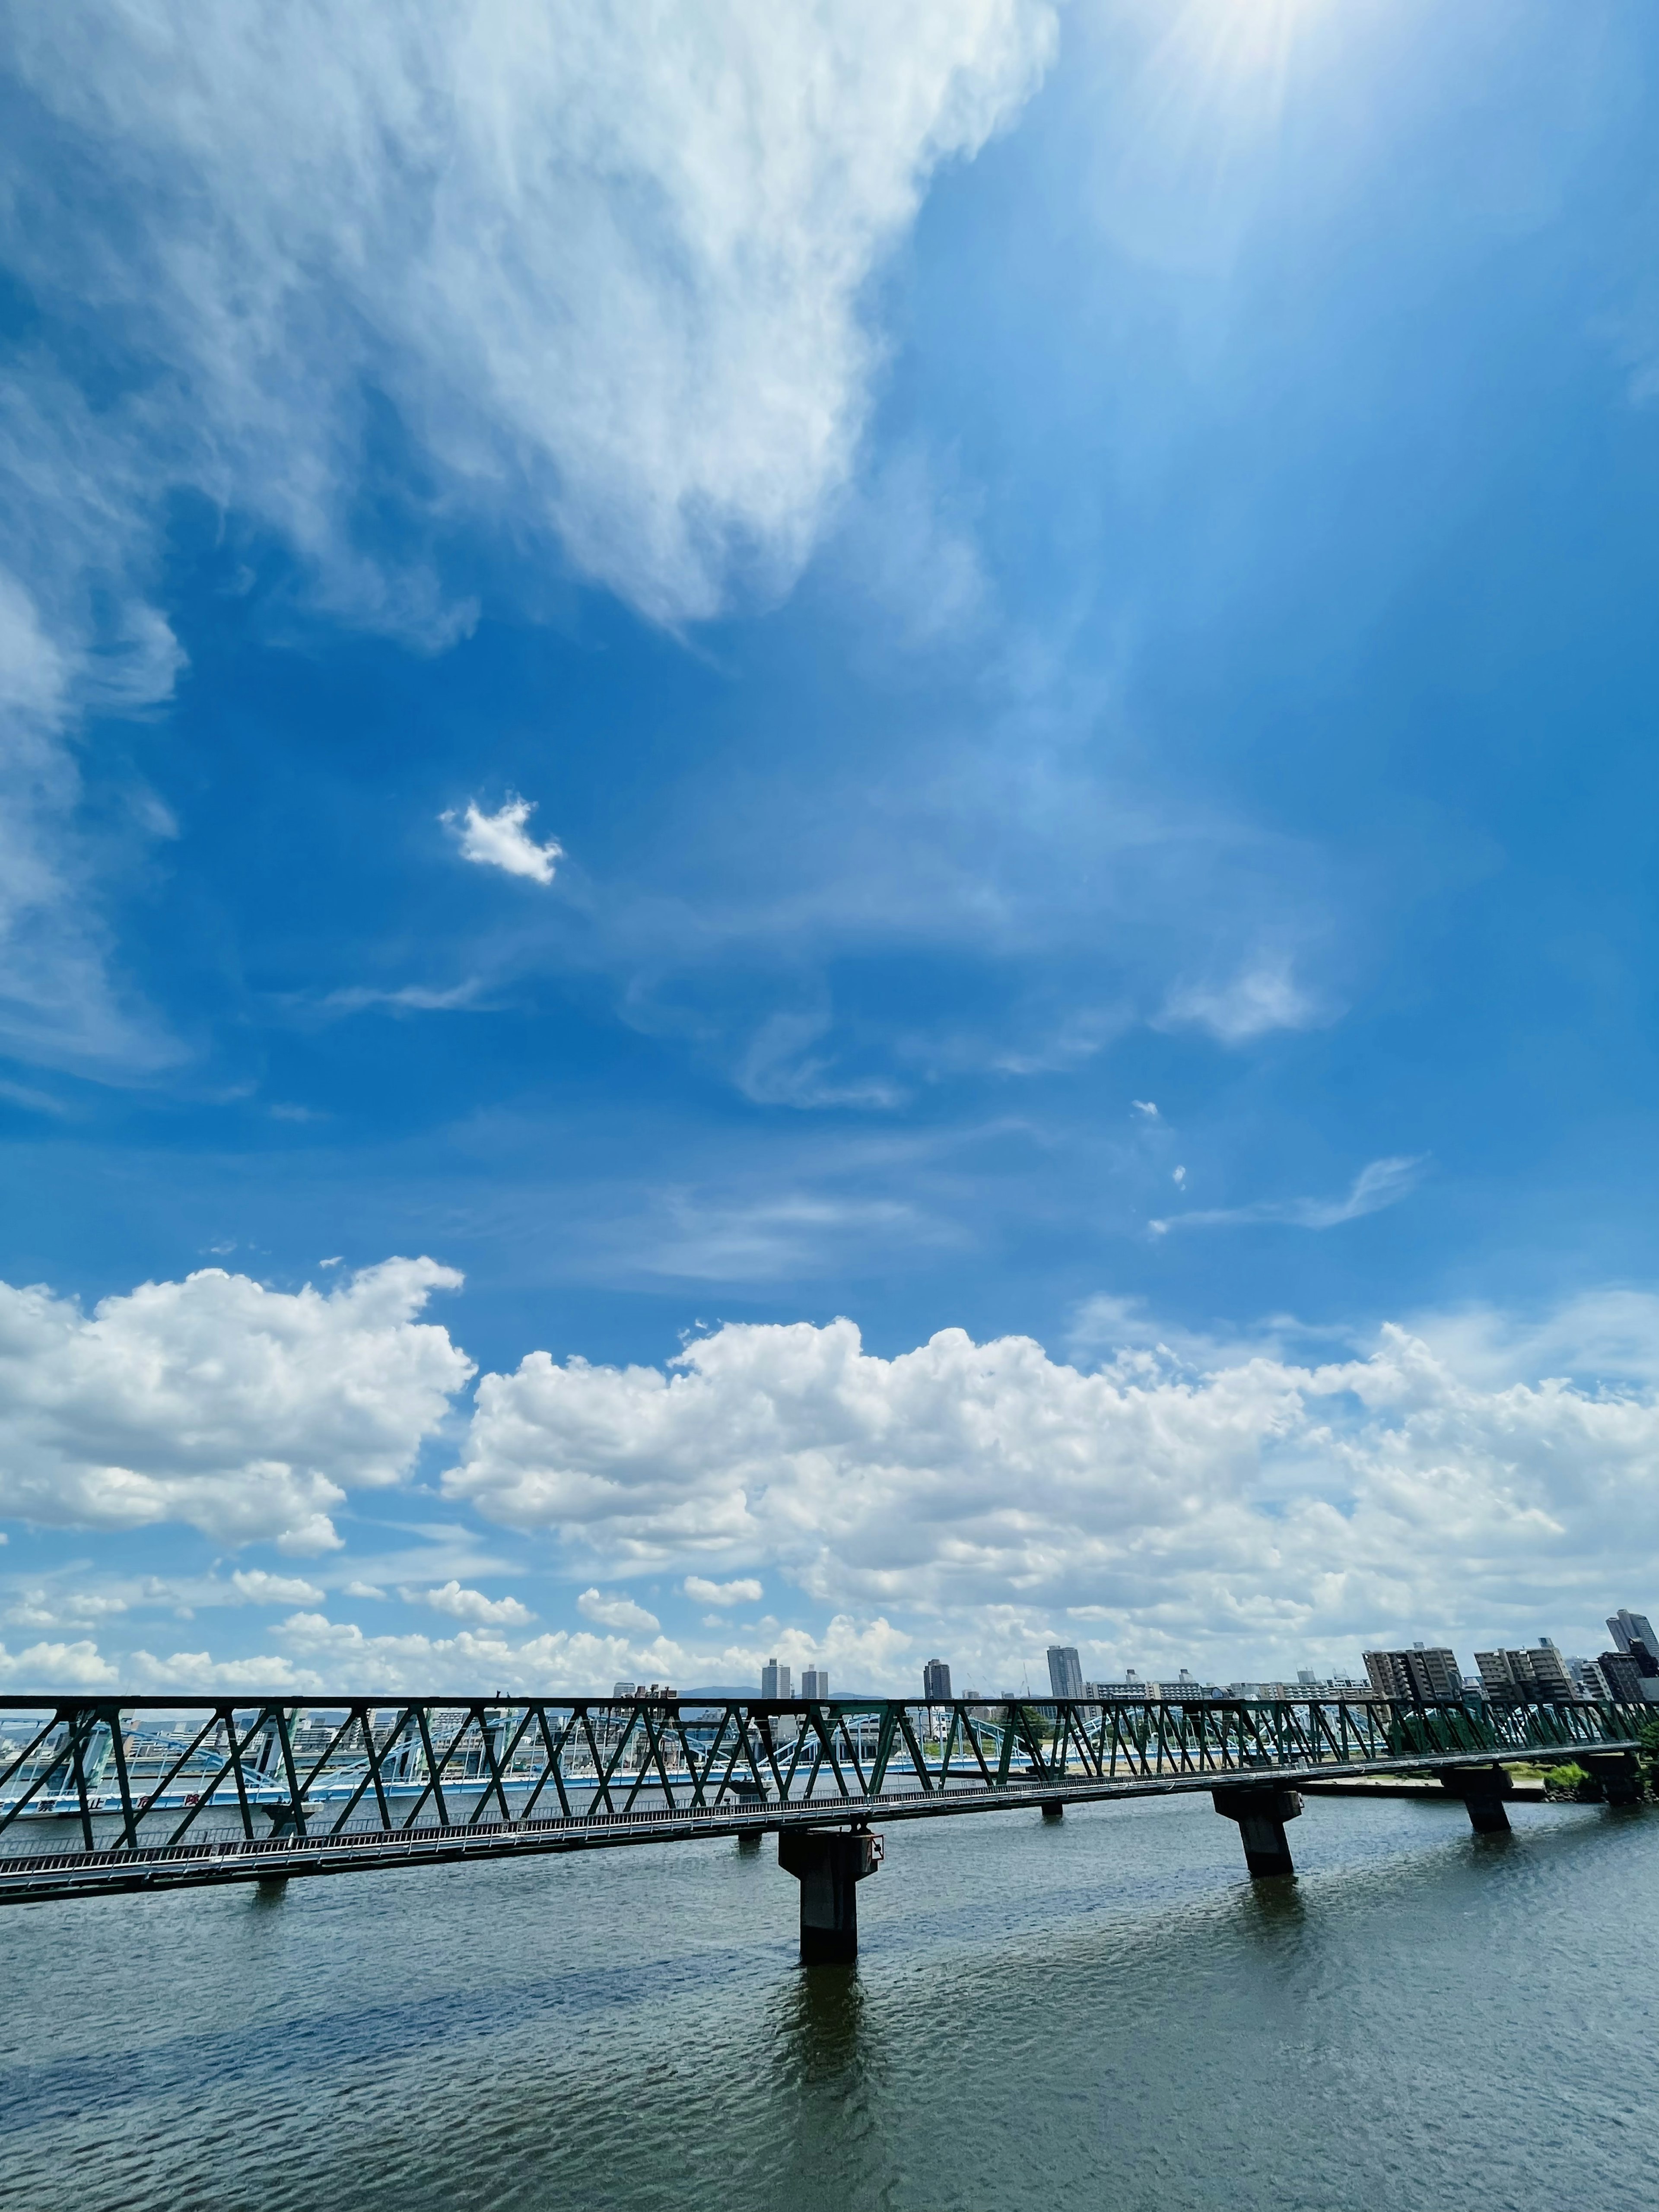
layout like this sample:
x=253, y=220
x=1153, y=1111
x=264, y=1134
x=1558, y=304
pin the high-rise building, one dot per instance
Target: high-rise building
x=1549, y=1672
x=774, y=1681
x=1622, y=1677
x=1628, y=1629
x=936, y=1682
x=815, y=1682
x=1065, y=1671
x=1538, y=1672
x=1427, y=1675
x=1499, y=1678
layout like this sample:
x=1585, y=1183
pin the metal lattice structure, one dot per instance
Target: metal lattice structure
x=113, y=1795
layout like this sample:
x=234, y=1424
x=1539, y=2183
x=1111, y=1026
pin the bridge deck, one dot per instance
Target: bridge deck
x=353, y=1784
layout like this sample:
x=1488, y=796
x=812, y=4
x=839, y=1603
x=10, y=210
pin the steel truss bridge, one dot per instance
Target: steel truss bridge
x=110, y=1795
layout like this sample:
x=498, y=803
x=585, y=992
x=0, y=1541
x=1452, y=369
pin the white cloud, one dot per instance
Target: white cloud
x=793, y=1234
x=32, y=1101
x=502, y=841
x=1381, y=1183
x=1263, y=1505
x=619, y=1612
x=40, y=1607
x=62, y=651
x=1262, y=997
x=411, y=998
x=247, y=1413
x=743, y=1591
x=57, y=1667
x=779, y=1070
x=1147, y=1106
x=323, y=1656
x=364, y=1590
x=613, y=282
x=908, y=550
x=610, y=288
x=259, y=1587
x=472, y=1605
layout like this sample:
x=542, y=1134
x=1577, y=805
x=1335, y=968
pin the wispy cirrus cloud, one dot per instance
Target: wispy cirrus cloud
x=1383, y=1182
x=408, y=998
x=609, y=294
x=1262, y=997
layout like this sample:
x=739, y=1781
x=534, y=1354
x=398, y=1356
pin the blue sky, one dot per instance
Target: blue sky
x=1076, y=595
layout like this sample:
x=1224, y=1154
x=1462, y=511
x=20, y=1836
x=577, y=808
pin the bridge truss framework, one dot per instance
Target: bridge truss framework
x=168, y=1792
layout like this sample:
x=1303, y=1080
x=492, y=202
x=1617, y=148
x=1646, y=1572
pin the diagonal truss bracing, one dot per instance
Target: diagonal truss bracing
x=123, y=1794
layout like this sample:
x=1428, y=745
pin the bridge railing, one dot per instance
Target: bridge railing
x=152, y=1774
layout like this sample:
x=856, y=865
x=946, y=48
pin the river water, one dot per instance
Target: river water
x=1100, y=2011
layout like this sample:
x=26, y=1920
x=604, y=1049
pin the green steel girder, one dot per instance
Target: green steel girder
x=624, y=1771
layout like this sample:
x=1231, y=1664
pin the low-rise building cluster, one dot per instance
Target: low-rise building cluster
x=1426, y=1674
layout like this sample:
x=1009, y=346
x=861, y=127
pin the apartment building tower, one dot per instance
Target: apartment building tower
x=1538, y=1672
x=1426, y=1675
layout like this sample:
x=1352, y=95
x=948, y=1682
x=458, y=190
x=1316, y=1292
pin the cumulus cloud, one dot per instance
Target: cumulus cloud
x=1262, y=998
x=323, y=1656
x=619, y=1612
x=1262, y=1502
x=472, y=1605
x=259, y=1587
x=745, y=1591
x=247, y=1413
x=502, y=840
x=40, y=1607
x=318, y=1657
x=57, y=1667
x=1381, y=1183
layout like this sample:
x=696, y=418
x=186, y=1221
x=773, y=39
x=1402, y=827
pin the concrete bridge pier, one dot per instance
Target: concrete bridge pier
x=1262, y=1810
x=1053, y=1808
x=1617, y=1771
x=1483, y=1789
x=829, y=1864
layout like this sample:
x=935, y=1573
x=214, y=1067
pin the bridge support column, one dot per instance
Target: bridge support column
x=1483, y=1789
x=1617, y=1771
x=1053, y=1809
x=1261, y=1810
x=829, y=1864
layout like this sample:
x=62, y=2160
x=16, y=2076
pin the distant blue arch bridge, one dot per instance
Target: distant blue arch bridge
x=105, y=1796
